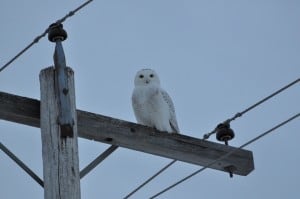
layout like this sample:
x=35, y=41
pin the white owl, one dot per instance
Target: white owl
x=151, y=104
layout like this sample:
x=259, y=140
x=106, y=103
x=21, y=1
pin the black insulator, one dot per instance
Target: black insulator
x=56, y=32
x=224, y=133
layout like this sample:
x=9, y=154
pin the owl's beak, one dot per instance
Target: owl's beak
x=147, y=81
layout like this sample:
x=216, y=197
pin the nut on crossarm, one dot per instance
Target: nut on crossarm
x=57, y=33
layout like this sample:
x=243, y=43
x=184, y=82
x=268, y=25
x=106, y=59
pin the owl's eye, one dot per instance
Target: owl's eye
x=141, y=76
x=151, y=75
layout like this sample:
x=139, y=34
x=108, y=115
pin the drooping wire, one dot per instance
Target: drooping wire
x=36, y=40
x=149, y=179
x=206, y=136
x=226, y=155
x=240, y=114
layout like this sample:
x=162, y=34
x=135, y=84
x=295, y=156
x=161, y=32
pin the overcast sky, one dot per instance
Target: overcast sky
x=214, y=57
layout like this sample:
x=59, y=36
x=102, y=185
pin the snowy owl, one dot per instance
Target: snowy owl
x=151, y=104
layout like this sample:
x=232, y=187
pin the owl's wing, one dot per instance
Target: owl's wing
x=173, y=120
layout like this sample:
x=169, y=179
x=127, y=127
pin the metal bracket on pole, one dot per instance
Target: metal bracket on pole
x=98, y=160
x=57, y=34
x=22, y=165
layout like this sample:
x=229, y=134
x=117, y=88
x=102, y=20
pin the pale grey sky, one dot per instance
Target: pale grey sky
x=215, y=58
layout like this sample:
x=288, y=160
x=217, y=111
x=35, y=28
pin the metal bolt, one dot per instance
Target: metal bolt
x=65, y=91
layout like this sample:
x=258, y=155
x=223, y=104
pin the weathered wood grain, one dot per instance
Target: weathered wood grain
x=134, y=136
x=60, y=154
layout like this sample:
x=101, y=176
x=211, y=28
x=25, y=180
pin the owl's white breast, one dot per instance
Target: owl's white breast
x=150, y=108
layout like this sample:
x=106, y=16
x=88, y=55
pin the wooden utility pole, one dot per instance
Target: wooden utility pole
x=56, y=115
x=59, y=126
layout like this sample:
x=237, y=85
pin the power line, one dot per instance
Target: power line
x=206, y=136
x=149, y=179
x=36, y=40
x=240, y=114
x=226, y=155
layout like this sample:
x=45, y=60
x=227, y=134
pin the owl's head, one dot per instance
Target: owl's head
x=146, y=77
